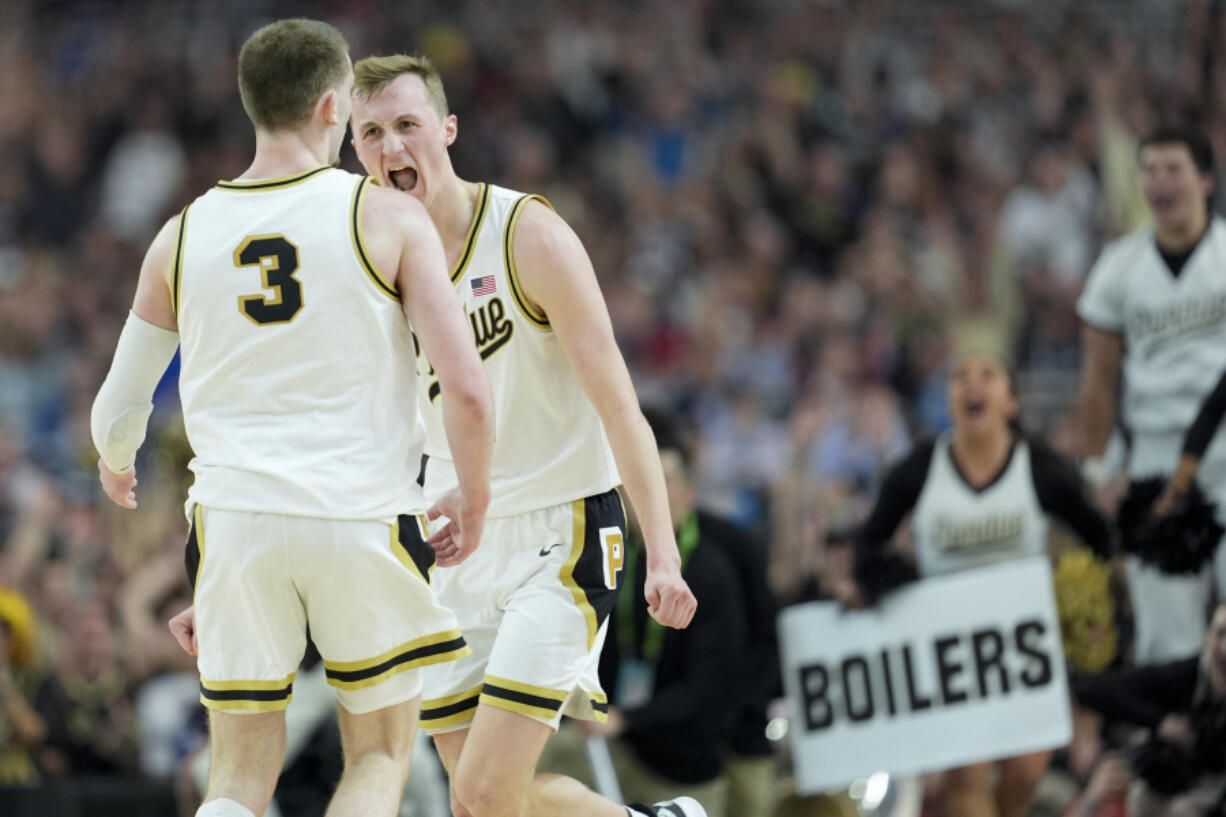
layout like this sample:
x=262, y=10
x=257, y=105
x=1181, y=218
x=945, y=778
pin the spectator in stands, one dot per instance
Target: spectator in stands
x=1106, y=793
x=91, y=729
x=824, y=185
x=674, y=693
x=750, y=767
x=1181, y=767
x=22, y=731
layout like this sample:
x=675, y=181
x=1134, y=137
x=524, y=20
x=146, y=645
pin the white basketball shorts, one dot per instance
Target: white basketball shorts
x=533, y=601
x=260, y=579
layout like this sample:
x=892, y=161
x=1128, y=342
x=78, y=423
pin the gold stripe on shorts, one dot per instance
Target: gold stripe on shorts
x=255, y=696
x=450, y=710
x=421, y=652
x=567, y=573
x=600, y=706
x=526, y=699
x=198, y=530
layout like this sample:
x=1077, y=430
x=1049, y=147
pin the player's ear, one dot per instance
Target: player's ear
x=451, y=130
x=328, y=107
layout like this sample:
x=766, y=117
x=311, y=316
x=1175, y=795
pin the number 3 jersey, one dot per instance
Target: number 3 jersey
x=297, y=379
x=550, y=445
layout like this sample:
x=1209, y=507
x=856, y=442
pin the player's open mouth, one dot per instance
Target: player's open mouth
x=403, y=178
x=975, y=408
x=1162, y=201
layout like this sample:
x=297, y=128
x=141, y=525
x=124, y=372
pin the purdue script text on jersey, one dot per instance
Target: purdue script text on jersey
x=551, y=446
x=1173, y=326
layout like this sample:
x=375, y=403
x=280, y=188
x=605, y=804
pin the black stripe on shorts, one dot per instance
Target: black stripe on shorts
x=456, y=708
x=247, y=694
x=518, y=697
x=349, y=676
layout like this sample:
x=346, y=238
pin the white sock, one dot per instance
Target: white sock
x=223, y=807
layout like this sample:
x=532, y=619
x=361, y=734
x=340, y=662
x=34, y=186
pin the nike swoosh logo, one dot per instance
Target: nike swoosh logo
x=545, y=551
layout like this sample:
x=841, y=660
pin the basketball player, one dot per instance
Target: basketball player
x=1154, y=309
x=287, y=290
x=533, y=600
x=979, y=495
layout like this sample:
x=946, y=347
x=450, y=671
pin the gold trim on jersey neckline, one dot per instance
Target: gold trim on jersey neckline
x=271, y=184
x=539, y=320
x=359, y=246
x=474, y=228
x=177, y=280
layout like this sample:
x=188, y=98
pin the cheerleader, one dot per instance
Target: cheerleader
x=1170, y=524
x=978, y=495
x=1154, y=314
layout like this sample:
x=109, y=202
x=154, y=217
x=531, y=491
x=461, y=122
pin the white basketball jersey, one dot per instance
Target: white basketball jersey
x=550, y=446
x=297, y=387
x=958, y=527
x=1174, y=328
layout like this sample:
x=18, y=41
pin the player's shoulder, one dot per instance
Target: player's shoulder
x=910, y=472
x=380, y=204
x=921, y=451
x=1120, y=253
x=539, y=233
x=1042, y=452
x=1217, y=232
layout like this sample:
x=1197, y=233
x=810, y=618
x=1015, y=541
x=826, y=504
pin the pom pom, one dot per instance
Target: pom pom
x=1167, y=767
x=880, y=571
x=1087, y=610
x=17, y=615
x=1181, y=542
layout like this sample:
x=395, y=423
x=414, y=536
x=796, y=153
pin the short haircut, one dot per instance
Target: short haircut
x=1196, y=143
x=285, y=67
x=373, y=74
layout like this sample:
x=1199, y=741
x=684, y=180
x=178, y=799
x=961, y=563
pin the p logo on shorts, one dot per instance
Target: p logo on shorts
x=614, y=546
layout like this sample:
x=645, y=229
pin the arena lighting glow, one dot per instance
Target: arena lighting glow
x=874, y=791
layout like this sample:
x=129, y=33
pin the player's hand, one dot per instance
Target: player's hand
x=1111, y=778
x=1166, y=502
x=118, y=487
x=456, y=540
x=1177, y=486
x=183, y=628
x=1177, y=729
x=669, y=599
x=849, y=594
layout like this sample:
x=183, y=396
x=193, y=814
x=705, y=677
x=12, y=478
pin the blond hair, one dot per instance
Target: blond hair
x=373, y=74
x=285, y=66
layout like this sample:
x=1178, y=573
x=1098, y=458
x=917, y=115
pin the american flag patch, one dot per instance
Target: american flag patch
x=484, y=285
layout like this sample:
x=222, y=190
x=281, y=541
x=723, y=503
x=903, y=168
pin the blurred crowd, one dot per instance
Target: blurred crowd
x=799, y=210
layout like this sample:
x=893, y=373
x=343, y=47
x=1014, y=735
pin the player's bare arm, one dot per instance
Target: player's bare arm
x=558, y=279
x=146, y=346
x=401, y=237
x=1100, y=377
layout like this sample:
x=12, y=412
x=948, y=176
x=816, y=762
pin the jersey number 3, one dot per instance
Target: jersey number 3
x=277, y=259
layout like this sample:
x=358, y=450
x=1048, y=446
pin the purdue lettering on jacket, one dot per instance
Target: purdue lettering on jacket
x=1173, y=326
